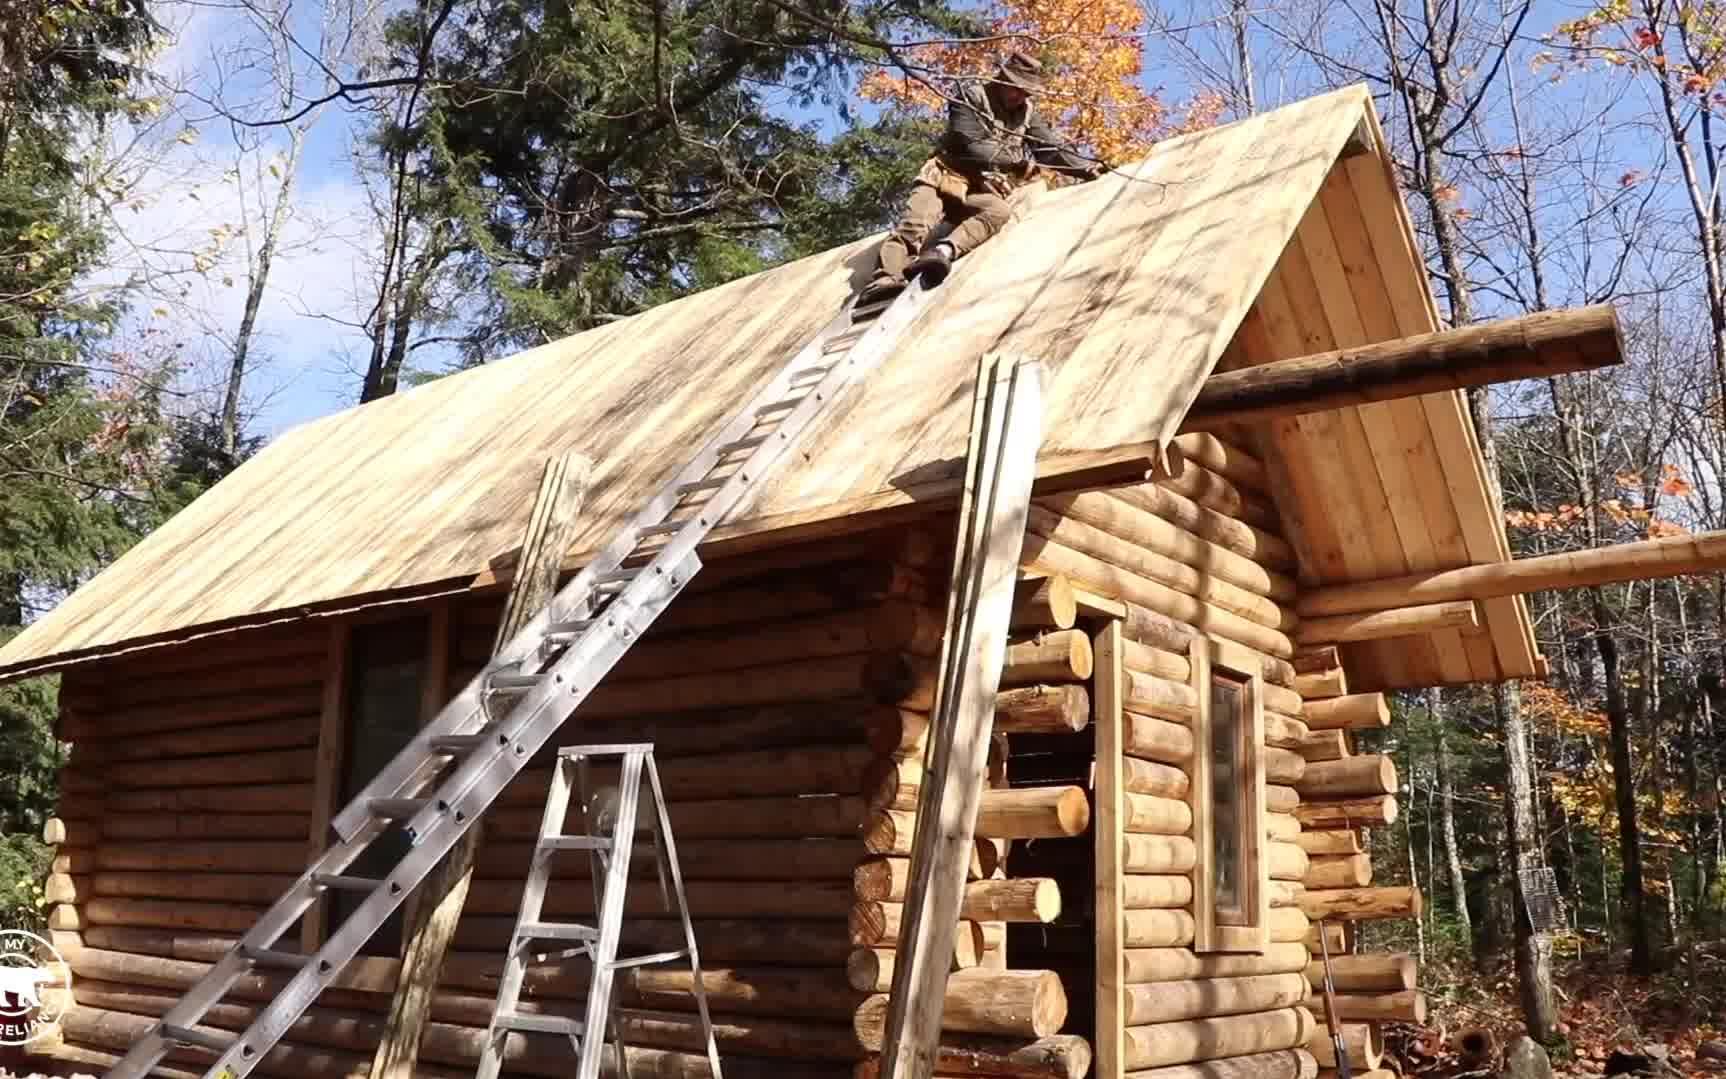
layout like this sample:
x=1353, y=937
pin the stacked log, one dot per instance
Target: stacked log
x=1181, y=559
x=993, y=990
x=786, y=694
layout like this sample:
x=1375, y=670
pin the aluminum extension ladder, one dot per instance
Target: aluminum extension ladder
x=441, y=782
x=610, y=858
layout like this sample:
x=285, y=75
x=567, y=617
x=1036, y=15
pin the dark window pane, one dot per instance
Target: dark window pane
x=1227, y=804
x=386, y=665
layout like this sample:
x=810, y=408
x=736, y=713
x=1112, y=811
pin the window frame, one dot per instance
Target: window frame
x=1211, y=659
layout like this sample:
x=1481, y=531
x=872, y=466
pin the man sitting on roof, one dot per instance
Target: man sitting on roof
x=993, y=143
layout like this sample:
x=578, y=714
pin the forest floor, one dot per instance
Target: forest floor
x=1603, y=1009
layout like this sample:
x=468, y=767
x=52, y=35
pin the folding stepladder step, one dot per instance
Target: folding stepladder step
x=610, y=857
x=437, y=787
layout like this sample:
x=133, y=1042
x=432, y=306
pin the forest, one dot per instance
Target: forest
x=222, y=217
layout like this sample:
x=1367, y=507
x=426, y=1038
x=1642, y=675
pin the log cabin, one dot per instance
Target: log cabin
x=1260, y=506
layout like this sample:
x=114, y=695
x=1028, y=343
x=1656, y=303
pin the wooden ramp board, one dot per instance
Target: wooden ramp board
x=1005, y=432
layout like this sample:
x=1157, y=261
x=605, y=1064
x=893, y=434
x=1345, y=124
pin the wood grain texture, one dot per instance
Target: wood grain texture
x=1114, y=285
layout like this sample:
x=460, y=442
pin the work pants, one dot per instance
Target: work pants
x=976, y=217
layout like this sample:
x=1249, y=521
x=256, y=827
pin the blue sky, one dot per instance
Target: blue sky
x=308, y=359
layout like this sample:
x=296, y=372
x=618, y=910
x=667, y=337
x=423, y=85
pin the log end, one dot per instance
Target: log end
x=54, y=832
x=867, y=924
x=1074, y=811
x=865, y=971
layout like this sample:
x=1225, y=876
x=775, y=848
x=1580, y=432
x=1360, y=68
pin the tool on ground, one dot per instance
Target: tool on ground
x=440, y=783
x=1331, y=1019
x=617, y=809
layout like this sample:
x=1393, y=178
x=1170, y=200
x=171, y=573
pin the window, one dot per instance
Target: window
x=1231, y=896
x=386, y=665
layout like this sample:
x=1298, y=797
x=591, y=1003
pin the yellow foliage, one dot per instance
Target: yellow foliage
x=1093, y=53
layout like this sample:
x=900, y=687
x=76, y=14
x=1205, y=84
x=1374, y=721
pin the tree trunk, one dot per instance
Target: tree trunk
x=1533, y=957
x=1447, y=804
x=257, y=279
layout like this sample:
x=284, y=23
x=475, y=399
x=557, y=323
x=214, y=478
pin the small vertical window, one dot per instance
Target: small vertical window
x=1230, y=896
x=386, y=667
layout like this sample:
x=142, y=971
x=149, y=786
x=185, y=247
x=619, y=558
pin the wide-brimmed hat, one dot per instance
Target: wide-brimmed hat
x=1025, y=72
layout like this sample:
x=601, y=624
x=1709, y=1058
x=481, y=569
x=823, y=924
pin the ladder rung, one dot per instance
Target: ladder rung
x=540, y=1024
x=708, y=484
x=649, y=960
x=512, y=683
x=345, y=884
x=187, y=1036
x=743, y=444
x=784, y=404
x=459, y=743
x=664, y=528
x=620, y=576
x=574, y=842
x=555, y=931
x=265, y=957
x=396, y=808
x=818, y=371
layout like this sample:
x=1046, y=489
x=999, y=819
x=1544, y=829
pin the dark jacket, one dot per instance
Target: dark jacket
x=981, y=138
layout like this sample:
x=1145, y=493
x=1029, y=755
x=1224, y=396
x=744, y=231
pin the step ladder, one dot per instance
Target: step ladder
x=441, y=782
x=610, y=857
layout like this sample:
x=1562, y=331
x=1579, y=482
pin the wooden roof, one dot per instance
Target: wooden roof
x=1129, y=289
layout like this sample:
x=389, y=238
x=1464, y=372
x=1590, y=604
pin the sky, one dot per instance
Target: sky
x=193, y=188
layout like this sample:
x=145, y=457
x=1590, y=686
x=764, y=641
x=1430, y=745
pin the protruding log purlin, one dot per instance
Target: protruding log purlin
x=1414, y=621
x=1671, y=556
x=1350, y=777
x=1370, y=972
x=1363, y=903
x=1375, y=812
x=1356, y=712
x=1541, y=345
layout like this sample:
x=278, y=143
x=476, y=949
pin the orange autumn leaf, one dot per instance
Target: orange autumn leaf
x=1093, y=51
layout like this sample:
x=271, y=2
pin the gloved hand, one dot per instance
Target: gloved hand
x=1096, y=171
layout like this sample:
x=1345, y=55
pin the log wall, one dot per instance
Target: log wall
x=1200, y=557
x=787, y=696
x=788, y=693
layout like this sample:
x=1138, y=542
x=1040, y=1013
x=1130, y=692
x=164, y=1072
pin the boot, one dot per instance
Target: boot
x=884, y=286
x=935, y=262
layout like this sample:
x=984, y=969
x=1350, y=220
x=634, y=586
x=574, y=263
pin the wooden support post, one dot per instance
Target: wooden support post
x=438, y=902
x=1110, y=793
x=1001, y=463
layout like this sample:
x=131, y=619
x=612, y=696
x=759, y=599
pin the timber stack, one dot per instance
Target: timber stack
x=786, y=695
